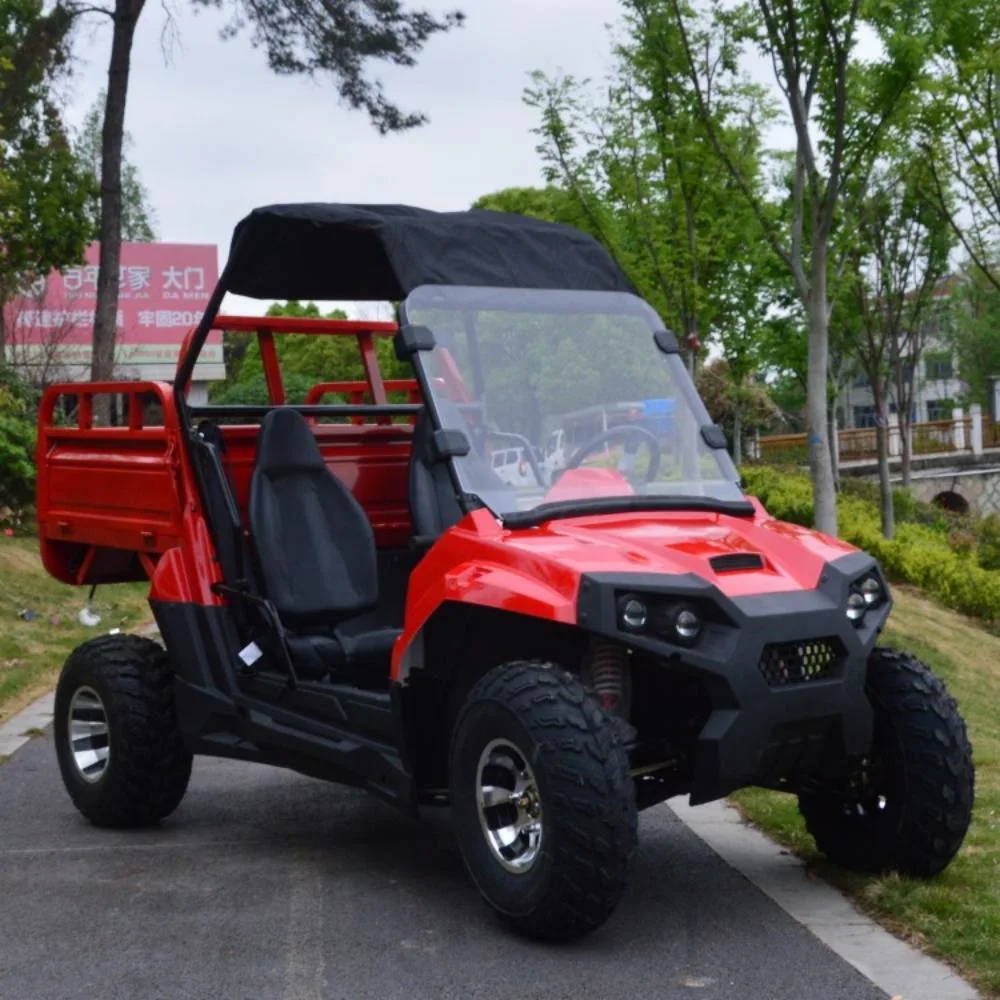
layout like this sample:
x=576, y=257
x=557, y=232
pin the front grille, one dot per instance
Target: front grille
x=797, y=662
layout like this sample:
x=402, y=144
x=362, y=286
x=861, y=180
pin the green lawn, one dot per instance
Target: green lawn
x=32, y=652
x=957, y=915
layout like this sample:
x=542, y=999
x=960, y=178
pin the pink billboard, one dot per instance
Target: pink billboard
x=164, y=289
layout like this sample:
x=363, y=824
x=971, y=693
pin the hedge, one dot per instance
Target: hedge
x=924, y=555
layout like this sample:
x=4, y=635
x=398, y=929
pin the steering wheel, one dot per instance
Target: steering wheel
x=624, y=430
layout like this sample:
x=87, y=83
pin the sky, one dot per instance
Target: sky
x=215, y=133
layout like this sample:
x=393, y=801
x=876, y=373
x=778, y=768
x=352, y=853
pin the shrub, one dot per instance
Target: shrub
x=988, y=542
x=17, y=440
x=963, y=578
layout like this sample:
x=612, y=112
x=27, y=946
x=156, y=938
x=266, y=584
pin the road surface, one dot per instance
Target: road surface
x=269, y=886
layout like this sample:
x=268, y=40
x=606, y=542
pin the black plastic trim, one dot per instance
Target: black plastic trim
x=749, y=716
x=412, y=338
x=666, y=341
x=625, y=505
x=450, y=444
x=714, y=436
x=338, y=733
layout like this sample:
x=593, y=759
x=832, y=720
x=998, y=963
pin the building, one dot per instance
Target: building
x=936, y=387
x=164, y=289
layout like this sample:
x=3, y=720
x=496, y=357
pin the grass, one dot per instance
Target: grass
x=957, y=915
x=32, y=652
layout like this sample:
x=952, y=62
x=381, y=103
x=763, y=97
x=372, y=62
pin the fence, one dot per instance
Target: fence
x=959, y=434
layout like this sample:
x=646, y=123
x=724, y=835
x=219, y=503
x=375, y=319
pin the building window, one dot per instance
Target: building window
x=938, y=365
x=864, y=416
x=939, y=409
x=861, y=382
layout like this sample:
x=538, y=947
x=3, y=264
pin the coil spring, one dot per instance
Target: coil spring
x=608, y=663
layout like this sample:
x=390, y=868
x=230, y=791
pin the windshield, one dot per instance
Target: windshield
x=564, y=396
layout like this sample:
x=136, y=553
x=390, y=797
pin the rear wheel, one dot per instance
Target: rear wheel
x=909, y=804
x=542, y=801
x=120, y=750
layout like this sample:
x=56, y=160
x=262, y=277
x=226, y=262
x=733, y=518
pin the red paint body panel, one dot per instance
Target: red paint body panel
x=537, y=571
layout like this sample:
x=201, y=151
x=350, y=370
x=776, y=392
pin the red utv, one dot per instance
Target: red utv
x=350, y=589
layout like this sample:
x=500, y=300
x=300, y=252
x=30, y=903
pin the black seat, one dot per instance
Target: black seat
x=316, y=557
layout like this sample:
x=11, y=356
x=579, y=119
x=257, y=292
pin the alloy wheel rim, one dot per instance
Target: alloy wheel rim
x=89, y=736
x=510, y=806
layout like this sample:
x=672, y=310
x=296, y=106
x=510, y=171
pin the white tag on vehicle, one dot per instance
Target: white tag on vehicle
x=251, y=654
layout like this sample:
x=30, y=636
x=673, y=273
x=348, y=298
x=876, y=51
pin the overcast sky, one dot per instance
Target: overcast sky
x=216, y=133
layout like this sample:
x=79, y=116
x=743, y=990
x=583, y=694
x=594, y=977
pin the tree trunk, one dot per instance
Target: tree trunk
x=738, y=433
x=882, y=453
x=820, y=465
x=834, y=439
x=112, y=136
x=906, y=449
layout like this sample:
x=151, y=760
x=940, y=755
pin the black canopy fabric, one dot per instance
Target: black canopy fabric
x=377, y=252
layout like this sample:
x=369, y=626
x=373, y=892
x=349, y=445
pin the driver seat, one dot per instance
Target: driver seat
x=316, y=557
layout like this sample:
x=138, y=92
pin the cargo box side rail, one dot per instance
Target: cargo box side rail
x=109, y=498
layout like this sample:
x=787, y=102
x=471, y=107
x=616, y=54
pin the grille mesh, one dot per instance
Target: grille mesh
x=796, y=662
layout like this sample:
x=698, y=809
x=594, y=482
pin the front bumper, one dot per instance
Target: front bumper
x=763, y=725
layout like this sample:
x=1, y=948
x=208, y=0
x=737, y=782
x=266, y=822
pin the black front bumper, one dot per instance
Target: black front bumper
x=763, y=721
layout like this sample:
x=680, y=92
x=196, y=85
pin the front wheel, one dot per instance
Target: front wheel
x=908, y=805
x=119, y=746
x=543, y=803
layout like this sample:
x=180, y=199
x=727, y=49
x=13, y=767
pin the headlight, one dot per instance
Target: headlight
x=687, y=625
x=871, y=590
x=633, y=614
x=679, y=623
x=856, y=606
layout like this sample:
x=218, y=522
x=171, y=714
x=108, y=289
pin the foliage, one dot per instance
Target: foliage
x=973, y=330
x=551, y=204
x=840, y=109
x=919, y=554
x=964, y=115
x=138, y=221
x=43, y=193
x=721, y=395
x=17, y=440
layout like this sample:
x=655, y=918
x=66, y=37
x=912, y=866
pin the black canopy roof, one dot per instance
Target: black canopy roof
x=374, y=252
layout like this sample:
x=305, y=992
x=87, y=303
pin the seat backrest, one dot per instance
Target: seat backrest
x=219, y=504
x=315, y=546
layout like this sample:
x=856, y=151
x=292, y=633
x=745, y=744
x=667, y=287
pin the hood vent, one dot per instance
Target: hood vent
x=736, y=561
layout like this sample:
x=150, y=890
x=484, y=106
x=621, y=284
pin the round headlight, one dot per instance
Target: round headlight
x=687, y=625
x=871, y=590
x=856, y=606
x=634, y=614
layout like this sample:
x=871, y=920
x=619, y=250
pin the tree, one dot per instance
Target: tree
x=137, y=214
x=966, y=115
x=551, y=204
x=337, y=38
x=43, y=194
x=840, y=108
x=643, y=177
x=974, y=332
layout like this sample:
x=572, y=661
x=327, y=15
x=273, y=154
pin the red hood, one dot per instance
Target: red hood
x=675, y=543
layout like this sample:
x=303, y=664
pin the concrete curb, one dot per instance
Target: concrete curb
x=37, y=715
x=902, y=971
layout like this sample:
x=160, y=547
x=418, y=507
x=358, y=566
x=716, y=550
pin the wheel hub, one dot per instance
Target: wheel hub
x=89, y=735
x=510, y=806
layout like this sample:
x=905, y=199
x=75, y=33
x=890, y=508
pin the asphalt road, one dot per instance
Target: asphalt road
x=268, y=885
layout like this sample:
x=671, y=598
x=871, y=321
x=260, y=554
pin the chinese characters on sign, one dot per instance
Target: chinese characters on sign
x=163, y=291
